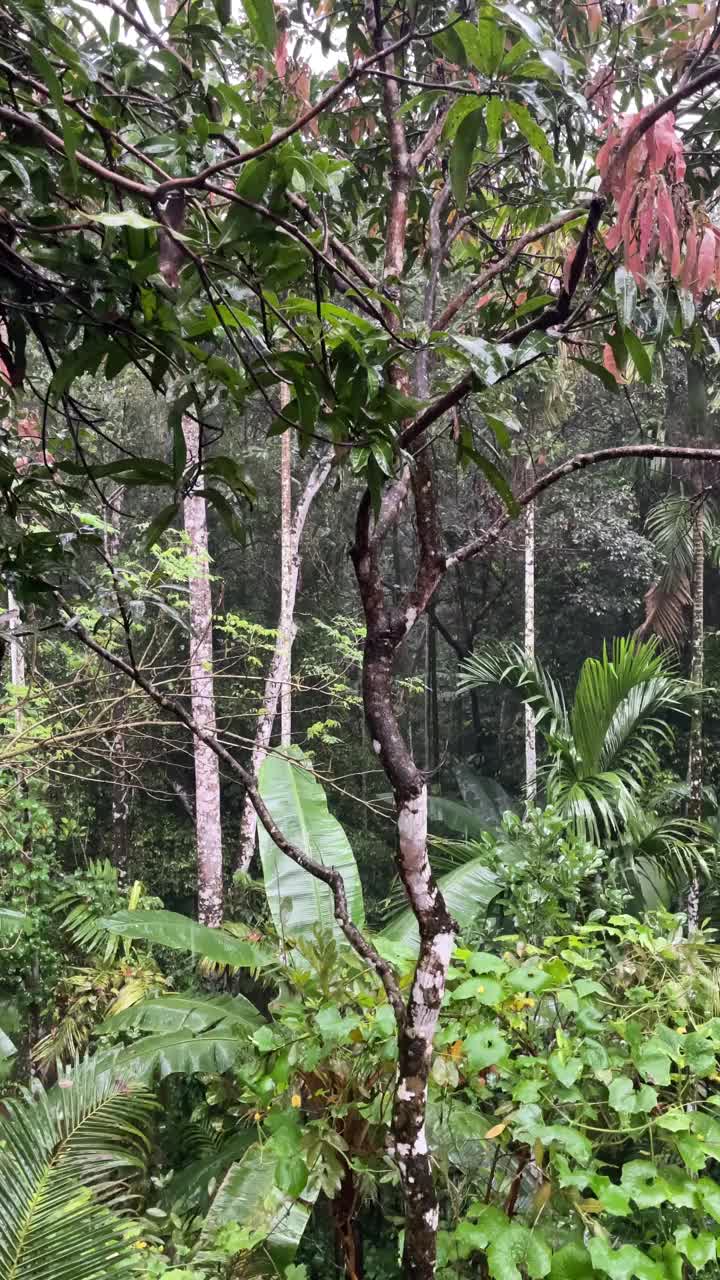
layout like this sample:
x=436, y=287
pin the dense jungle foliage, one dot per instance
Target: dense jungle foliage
x=360, y=654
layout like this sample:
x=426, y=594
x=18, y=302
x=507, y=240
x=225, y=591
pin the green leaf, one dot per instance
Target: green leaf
x=261, y=16
x=531, y=130
x=567, y=1072
x=459, y=111
x=625, y=295
x=492, y=43
x=123, y=218
x=291, y=1176
x=698, y=1249
x=161, y=522
x=494, y=117
x=66, y=1160
x=624, y=1263
x=461, y=155
x=521, y=19
x=179, y=933
x=599, y=371
x=187, y=1012
x=249, y=1195
x=486, y=1047
x=299, y=903
x=639, y=355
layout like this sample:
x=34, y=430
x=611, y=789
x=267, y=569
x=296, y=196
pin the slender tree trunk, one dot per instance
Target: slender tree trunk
x=18, y=670
x=530, y=741
x=697, y=666
x=277, y=685
x=120, y=833
x=432, y=719
x=207, y=770
x=286, y=628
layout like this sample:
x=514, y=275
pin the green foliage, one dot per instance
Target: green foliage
x=299, y=903
x=604, y=749
x=67, y=1167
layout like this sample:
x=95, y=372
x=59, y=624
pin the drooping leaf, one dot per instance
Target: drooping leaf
x=170, y=929
x=300, y=903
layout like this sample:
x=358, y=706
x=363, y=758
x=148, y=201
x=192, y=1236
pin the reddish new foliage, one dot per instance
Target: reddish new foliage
x=655, y=219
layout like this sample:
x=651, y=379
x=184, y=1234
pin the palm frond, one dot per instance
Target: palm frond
x=669, y=525
x=617, y=701
x=67, y=1166
x=509, y=667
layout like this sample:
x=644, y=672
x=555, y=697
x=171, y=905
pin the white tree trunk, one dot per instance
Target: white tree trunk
x=18, y=673
x=530, y=738
x=208, y=831
x=120, y=848
x=697, y=675
x=286, y=629
x=277, y=685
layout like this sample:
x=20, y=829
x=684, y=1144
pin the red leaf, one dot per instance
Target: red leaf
x=281, y=54
x=610, y=365
x=706, y=262
x=594, y=15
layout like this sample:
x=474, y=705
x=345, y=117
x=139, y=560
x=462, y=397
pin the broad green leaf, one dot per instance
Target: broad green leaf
x=123, y=218
x=249, y=1195
x=523, y=20
x=187, y=1012
x=170, y=929
x=162, y=521
x=461, y=155
x=531, y=130
x=494, y=116
x=599, y=371
x=184, y=1052
x=492, y=43
x=459, y=111
x=698, y=1249
x=485, y=1048
x=300, y=903
x=639, y=355
x=261, y=16
x=624, y=1263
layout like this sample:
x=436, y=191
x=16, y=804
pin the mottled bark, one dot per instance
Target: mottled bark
x=121, y=792
x=432, y=718
x=697, y=669
x=529, y=629
x=277, y=684
x=208, y=830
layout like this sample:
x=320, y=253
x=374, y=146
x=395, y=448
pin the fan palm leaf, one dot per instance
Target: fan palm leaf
x=601, y=753
x=68, y=1161
x=508, y=666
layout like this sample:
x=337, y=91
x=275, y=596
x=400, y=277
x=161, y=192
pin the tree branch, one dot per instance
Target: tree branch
x=328, y=875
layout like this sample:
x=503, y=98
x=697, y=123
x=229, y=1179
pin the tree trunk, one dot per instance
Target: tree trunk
x=277, y=685
x=286, y=629
x=18, y=673
x=432, y=719
x=119, y=838
x=530, y=741
x=697, y=665
x=207, y=771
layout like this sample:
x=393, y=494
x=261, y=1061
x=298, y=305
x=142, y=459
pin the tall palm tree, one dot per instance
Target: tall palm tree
x=603, y=749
